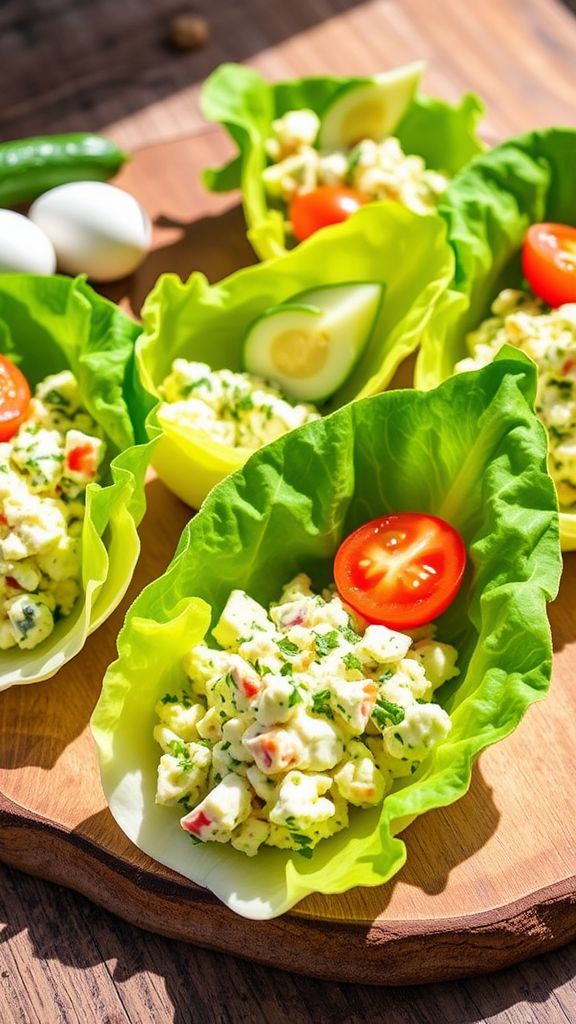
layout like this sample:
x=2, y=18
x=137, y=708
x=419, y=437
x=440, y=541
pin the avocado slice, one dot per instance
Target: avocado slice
x=371, y=110
x=309, y=345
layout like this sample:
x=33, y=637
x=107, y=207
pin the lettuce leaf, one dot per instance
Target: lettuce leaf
x=471, y=451
x=195, y=320
x=49, y=324
x=240, y=99
x=488, y=208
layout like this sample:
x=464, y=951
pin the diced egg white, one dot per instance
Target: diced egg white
x=304, y=712
x=41, y=512
x=548, y=337
x=238, y=410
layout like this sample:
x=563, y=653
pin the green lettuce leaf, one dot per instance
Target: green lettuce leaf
x=49, y=324
x=207, y=323
x=240, y=99
x=471, y=451
x=488, y=208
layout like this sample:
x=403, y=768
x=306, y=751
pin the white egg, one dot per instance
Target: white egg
x=95, y=228
x=24, y=248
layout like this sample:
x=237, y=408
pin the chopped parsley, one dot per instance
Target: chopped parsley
x=350, y=635
x=295, y=697
x=352, y=662
x=245, y=403
x=321, y=703
x=179, y=750
x=262, y=670
x=304, y=842
x=286, y=669
x=55, y=456
x=202, y=382
x=299, y=837
x=172, y=698
x=306, y=852
x=386, y=712
x=326, y=642
x=288, y=647
x=55, y=397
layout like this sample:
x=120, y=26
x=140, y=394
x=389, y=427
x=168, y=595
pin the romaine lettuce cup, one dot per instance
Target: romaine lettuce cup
x=383, y=243
x=488, y=208
x=471, y=451
x=239, y=98
x=50, y=324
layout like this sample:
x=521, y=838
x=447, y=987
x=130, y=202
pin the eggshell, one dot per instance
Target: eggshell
x=95, y=228
x=24, y=247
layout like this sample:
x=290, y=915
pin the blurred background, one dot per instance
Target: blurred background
x=134, y=67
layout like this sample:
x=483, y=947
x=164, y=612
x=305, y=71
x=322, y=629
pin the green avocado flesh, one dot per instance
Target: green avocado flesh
x=309, y=346
x=370, y=111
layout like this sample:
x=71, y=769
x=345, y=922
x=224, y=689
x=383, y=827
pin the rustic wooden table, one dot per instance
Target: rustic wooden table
x=76, y=64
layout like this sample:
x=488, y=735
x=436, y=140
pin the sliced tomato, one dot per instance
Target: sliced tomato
x=401, y=570
x=328, y=204
x=14, y=398
x=549, y=262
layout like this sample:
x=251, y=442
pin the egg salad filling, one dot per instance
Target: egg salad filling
x=548, y=336
x=379, y=170
x=44, y=471
x=235, y=409
x=302, y=713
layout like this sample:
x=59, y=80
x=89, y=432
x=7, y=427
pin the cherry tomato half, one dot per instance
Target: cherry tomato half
x=14, y=398
x=401, y=570
x=549, y=262
x=328, y=204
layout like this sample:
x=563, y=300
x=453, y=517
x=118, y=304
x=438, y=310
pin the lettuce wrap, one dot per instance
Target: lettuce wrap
x=203, y=322
x=471, y=451
x=50, y=324
x=488, y=209
x=239, y=98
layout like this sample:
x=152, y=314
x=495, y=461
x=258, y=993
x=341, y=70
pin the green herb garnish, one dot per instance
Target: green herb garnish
x=179, y=750
x=350, y=634
x=352, y=662
x=386, y=712
x=300, y=838
x=321, y=703
x=288, y=647
x=326, y=642
x=306, y=852
x=295, y=697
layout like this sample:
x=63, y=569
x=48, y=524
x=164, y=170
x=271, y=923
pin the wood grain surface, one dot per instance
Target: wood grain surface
x=75, y=64
x=488, y=881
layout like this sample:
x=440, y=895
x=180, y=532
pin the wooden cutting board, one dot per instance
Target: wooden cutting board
x=489, y=881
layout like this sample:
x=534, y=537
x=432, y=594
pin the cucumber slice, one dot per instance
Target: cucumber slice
x=308, y=346
x=371, y=110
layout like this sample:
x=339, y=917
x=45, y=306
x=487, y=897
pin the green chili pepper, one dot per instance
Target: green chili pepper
x=29, y=167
